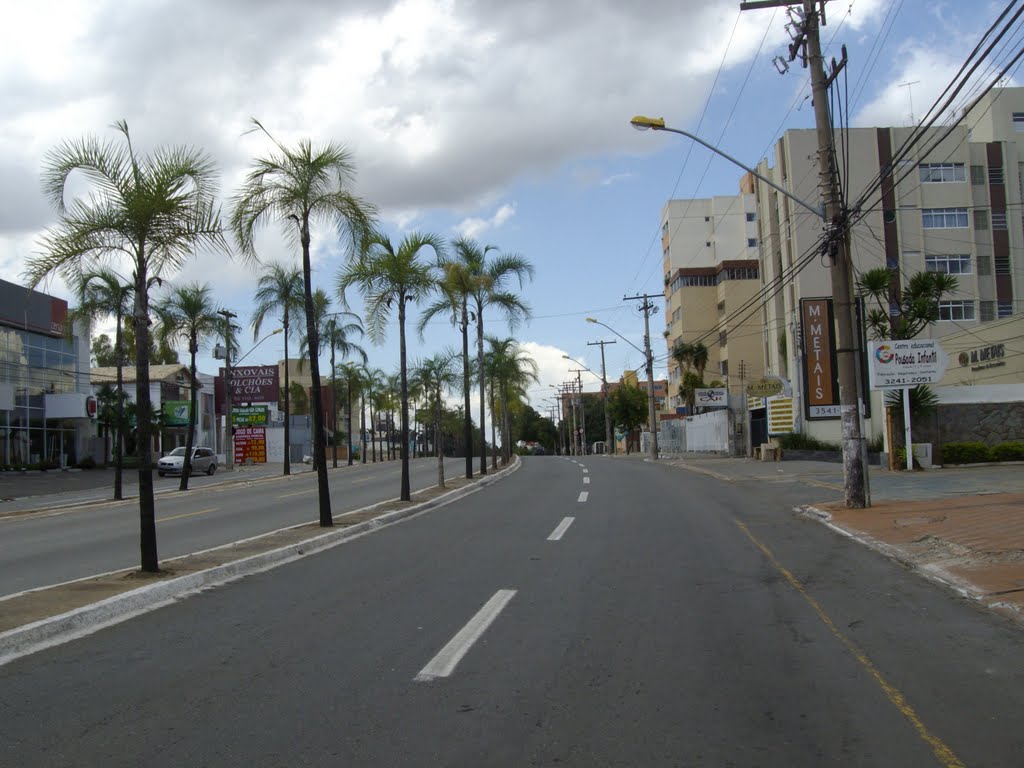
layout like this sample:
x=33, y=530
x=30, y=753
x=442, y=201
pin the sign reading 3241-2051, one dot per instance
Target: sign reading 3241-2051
x=902, y=363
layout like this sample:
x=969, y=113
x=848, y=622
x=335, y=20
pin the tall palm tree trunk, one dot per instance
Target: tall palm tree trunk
x=483, y=386
x=494, y=433
x=319, y=436
x=437, y=430
x=506, y=424
x=147, y=506
x=334, y=409
x=190, y=433
x=348, y=419
x=404, y=448
x=287, y=404
x=119, y=426
x=373, y=433
x=468, y=422
x=362, y=426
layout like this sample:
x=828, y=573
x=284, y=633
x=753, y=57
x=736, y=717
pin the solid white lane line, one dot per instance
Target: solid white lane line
x=583, y=496
x=586, y=481
x=561, y=529
x=448, y=657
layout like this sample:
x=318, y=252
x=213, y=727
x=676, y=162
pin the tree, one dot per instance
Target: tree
x=279, y=290
x=350, y=376
x=301, y=185
x=457, y=287
x=336, y=335
x=435, y=376
x=101, y=293
x=373, y=382
x=510, y=371
x=160, y=353
x=188, y=314
x=299, y=399
x=153, y=210
x=103, y=353
x=388, y=277
x=487, y=282
x=628, y=408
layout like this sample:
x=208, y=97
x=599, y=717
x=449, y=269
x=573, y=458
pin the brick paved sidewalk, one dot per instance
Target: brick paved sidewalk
x=974, y=542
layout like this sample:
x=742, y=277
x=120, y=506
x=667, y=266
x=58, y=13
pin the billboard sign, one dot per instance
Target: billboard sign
x=901, y=363
x=711, y=397
x=31, y=310
x=252, y=384
x=249, y=416
x=176, y=413
x=250, y=445
x=820, y=371
x=766, y=386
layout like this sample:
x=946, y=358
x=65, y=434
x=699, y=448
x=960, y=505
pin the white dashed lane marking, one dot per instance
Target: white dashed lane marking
x=448, y=657
x=583, y=496
x=561, y=529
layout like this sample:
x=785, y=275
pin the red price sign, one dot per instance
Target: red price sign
x=251, y=445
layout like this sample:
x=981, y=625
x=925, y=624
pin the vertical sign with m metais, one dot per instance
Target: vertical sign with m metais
x=820, y=372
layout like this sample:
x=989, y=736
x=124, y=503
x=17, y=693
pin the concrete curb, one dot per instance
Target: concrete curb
x=57, y=630
x=930, y=571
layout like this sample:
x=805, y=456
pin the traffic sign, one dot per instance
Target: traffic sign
x=904, y=363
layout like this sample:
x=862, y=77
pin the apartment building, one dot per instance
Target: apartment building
x=952, y=204
x=710, y=253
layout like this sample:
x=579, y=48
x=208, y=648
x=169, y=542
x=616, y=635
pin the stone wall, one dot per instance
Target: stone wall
x=989, y=423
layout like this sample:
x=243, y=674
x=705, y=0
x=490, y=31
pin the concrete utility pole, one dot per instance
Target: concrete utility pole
x=609, y=445
x=229, y=443
x=807, y=44
x=583, y=410
x=649, y=309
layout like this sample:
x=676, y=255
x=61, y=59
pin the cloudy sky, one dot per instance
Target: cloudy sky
x=504, y=121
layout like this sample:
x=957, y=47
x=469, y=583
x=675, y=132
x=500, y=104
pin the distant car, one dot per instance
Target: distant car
x=203, y=460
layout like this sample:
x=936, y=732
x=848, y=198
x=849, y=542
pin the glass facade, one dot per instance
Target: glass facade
x=34, y=365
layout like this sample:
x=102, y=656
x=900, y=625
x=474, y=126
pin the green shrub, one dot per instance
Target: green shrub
x=1012, y=451
x=966, y=453
x=796, y=441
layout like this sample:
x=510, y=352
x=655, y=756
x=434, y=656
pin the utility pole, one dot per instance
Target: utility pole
x=807, y=45
x=648, y=308
x=229, y=443
x=583, y=410
x=609, y=445
x=568, y=389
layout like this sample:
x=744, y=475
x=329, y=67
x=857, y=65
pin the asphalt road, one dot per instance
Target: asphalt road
x=676, y=620
x=70, y=543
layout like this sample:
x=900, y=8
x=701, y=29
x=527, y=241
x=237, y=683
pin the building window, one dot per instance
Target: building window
x=751, y=217
x=721, y=307
x=707, y=244
x=664, y=229
x=988, y=311
x=707, y=218
x=944, y=218
x=998, y=219
x=980, y=219
x=995, y=175
x=722, y=336
x=984, y=265
x=751, y=242
x=955, y=264
x=956, y=310
x=937, y=173
x=1003, y=265
x=723, y=366
x=1005, y=309
x=978, y=175
x=1018, y=122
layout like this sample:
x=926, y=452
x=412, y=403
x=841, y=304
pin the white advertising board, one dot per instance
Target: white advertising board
x=902, y=363
x=711, y=397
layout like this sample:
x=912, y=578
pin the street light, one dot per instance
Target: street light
x=649, y=358
x=642, y=123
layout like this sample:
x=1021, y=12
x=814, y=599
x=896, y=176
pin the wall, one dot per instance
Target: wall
x=989, y=423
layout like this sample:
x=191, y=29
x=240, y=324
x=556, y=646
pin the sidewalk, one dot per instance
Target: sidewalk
x=962, y=526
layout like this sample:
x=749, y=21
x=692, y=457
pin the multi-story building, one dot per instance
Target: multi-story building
x=46, y=408
x=951, y=204
x=710, y=261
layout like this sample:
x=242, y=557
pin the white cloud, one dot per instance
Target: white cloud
x=474, y=227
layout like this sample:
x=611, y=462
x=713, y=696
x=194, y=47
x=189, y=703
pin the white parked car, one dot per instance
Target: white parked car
x=203, y=460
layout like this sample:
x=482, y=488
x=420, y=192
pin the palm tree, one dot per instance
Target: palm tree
x=489, y=287
x=101, y=293
x=388, y=276
x=351, y=379
x=300, y=185
x=280, y=290
x=373, y=382
x=188, y=314
x=457, y=287
x=154, y=210
x=434, y=376
x=510, y=371
x=336, y=332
